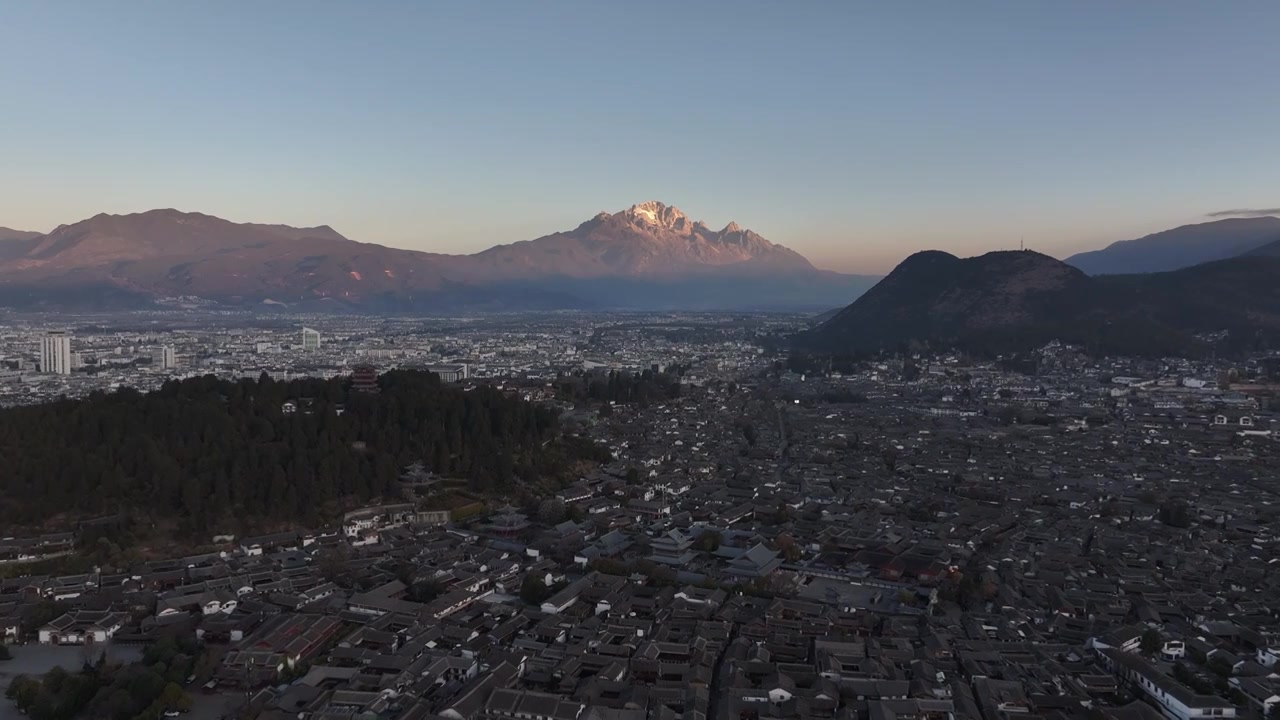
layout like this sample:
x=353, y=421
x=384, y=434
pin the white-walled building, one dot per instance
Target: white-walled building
x=310, y=339
x=164, y=358
x=55, y=353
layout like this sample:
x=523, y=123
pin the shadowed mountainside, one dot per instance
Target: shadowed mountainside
x=1005, y=301
x=1180, y=247
x=648, y=256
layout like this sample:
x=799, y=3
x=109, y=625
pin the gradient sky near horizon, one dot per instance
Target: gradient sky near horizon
x=853, y=132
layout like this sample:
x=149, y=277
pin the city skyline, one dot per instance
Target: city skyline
x=853, y=134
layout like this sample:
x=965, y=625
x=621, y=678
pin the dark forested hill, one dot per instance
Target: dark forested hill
x=1011, y=301
x=212, y=453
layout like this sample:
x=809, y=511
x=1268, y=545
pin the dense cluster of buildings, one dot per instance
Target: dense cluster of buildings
x=927, y=538
x=44, y=357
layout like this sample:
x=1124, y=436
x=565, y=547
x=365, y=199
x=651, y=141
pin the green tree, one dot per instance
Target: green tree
x=1219, y=666
x=23, y=691
x=1151, y=642
x=332, y=561
x=174, y=698
x=708, y=541
x=216, y=454
x=47, y=707
x=551, y=511
x=113, y=703
x=788, y=547
x=533, y=591
x=55, y=679
x=424, y=591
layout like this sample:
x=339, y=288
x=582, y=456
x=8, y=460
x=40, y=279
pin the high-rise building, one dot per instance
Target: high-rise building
x=310, y=339
x=164, y=358
x=55, y=352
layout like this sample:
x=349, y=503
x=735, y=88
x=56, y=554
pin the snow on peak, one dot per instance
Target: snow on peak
x=653, y=212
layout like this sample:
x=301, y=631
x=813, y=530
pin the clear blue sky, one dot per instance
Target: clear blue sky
x=855, y=132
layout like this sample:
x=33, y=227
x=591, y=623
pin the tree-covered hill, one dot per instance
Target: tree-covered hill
x=1007, y=302
x=213, y=453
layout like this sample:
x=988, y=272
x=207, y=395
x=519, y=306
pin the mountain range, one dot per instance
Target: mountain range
x=1017, y=300
x=1159, y=294
x=1271, y=249
x=649, y=256
x=1181, y=247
